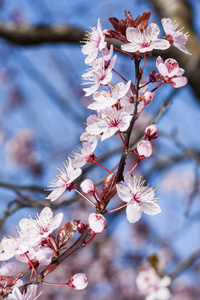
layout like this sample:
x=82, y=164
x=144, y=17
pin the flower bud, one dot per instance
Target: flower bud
x=151, y=132
x=97, y=222
x=148, y=97
x=88, y=186
x=78, y=281
x=81, y=227
x=154, y=76
x=144, y=149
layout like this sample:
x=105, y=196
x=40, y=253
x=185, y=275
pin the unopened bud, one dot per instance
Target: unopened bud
x=81, y=227
x=78, y=281
x=144, y=149
x=88, y=186
x=151, y=132
x=97, y=222
x=148, y=97
x=154, y=76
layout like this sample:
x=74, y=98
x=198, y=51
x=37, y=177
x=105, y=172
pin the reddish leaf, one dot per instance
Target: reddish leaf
x=114, y=21
x=108, y=184
x=65, y=232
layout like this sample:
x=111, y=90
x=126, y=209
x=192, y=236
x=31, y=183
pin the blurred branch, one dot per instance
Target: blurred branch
x=185, y=264
x=28, y=35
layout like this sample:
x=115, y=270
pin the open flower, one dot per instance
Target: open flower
x=85, y=154
x=63, y=181
x=95, y=43
x=140, y=198
x=176, y=38
x=171, y=72
x=42, y=226
x=110, y=121
x=153, y=286
x=144, y=41
x=30, y=293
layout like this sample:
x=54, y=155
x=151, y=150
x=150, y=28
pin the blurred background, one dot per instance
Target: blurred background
x=42, y=115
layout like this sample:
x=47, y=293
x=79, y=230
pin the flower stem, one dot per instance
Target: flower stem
x=119, y=75
x=96, y=162
x=135, y=165
x=122, y=140
x=82, y=195
x=158, y=86
x=115, y=209
x=89, y=239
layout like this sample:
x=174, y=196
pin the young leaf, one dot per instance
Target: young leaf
x=65, y=232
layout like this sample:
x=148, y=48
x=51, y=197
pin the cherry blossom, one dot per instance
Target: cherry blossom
x=148, y=97
x=78, y=281
x=30, y=293
x=144, y=41
x=111, y=121
x=14, y=245
x=140, y=198
x=176, y=38
x=95, y=43
x=42, y=226
x=104, y=99
x=153, y=286
x=100, y=74
x=64, y=181
x=144, y=149
x=8, y=269
x=88, y=186
x=151, y=132
x=42, y=256
x=97, y=222
x=171, y=72
x=85, y=154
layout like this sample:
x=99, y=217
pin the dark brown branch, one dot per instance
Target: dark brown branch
x=27, y=35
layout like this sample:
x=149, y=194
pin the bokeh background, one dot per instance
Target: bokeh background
x=42, y=115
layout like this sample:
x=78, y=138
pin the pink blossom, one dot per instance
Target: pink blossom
x=144, y=149
x=64, y=181
x=144, y=41
x=97, y=222
x=151, y=132
x=153, y=286
x=171, y=72
x=78, y=281
x=30, y=293
x=86, y=136
x=148, y=97
x=14, y=245
x=42, y=226
x=88, y=186
x=8, y=269
x=104, y=99
x=100, y=74
x=41, y=256
x=176, y=38
x=140, y=198
x=110, y=121
x=95, y=43
x=85, y=154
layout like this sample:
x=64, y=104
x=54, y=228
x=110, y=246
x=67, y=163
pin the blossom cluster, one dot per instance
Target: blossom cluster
x=117, y=106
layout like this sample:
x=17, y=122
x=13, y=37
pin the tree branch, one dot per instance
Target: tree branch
x=28, y=35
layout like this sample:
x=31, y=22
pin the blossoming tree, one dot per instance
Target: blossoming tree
x=118, y=107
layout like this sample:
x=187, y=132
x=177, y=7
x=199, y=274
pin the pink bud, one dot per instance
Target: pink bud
x=81, y=227
x=78, y=281
x=148, y=97
x=151, y=132
x=88, y=186
x=144, y=149
x=97, y=222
